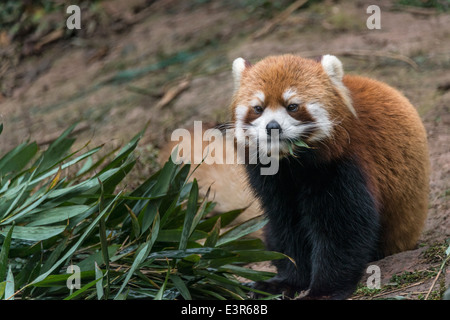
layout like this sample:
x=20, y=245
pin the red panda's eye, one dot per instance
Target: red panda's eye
x=258, y=109
x=292, y=107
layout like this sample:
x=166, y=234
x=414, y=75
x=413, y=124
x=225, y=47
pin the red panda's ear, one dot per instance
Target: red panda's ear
x=239, y=65
x=333, y=68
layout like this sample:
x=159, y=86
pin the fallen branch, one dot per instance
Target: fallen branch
x=437, y=277
x=279, y=18
x=173, y=92
x=399, y=289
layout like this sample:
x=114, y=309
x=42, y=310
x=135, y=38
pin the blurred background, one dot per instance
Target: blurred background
x=167, y=63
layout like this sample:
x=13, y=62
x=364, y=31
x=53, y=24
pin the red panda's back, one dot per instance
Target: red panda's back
x=390, y=140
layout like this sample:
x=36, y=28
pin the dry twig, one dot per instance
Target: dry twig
x=279, y=18
x=173, y=92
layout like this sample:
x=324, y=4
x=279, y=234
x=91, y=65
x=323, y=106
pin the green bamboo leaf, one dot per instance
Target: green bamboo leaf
x=104, y=248
x=97, y=257
x=141, y=254
x=254, y=275
x=83, y=289
x=57, y=150
x=213, y=236
x=5, y=253
x=111, y=182
x=28, y=208
x=159, y=295
x=300, y=143
x=226, y=218
x=244, y=244
x=33, y=233
x=26, y=272
x=56, y=215
x=136, y=228
x=55, y=254
x=51, y=172
x=200, y=212
x=9, y=288
x=248, y=256
x=165, y=177
x=99, y=283
x=21, y=190
x=2, y=288
x=181, y=286
x=70, y=252
x=174, y=235
x=291, y=151
x=60, y=280
x=123, y=153
x=81, y=188
x=189, y=217
x=243, y=229
x=206, y=253
x=147, y=215
x=16, y=159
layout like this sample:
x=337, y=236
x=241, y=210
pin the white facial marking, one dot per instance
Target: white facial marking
x=288, y=94
x=322, y=121
x=240, y=112
x=259, y=95
x=280, y=115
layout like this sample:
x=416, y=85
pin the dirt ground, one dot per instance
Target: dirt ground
x=168, y=62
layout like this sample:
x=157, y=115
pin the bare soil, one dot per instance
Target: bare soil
x=182, y=53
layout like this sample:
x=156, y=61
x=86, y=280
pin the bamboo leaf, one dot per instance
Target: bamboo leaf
x=104, y=248
x=189, y=217
x=9, y=288
x=301, y=143
x=226, y=219
x=142, y=254
x=200, y=212
x=16, y=159
x=78, y=243
x=99, y=283
x=83, y=289
x=213, y=236
x=2, y=288
x=159, y=295
x=56, y=215
x=243, y=229
x=56, y=151
x=33, y=233
x=254, y=275
x=5, y=253
x=181, y=286
x=134, y=223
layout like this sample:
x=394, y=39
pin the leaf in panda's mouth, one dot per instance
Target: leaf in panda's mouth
x=301, y=143
x=298, y=143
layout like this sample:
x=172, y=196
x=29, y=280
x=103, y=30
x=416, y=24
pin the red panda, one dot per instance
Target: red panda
x=354, y=192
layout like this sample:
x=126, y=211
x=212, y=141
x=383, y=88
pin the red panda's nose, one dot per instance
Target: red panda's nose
x=273, y=125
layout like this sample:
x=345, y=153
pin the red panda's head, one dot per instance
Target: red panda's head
x=301, y=99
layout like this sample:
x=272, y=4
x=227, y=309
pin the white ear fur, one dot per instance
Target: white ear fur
x=333, y=67
x=238, y=68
